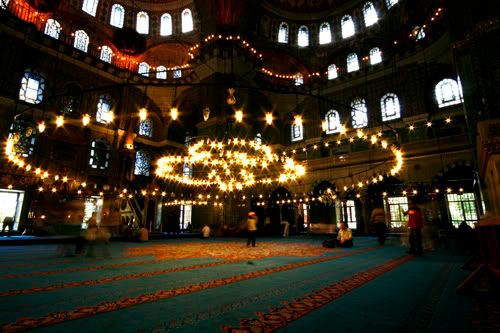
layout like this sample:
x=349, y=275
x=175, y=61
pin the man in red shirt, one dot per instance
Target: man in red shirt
x=415, y=224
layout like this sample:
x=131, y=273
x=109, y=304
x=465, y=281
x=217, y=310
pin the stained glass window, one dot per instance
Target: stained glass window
x=99, y=154
x=90, y=6
x=52, y=28
x=142, y=163
x=187, y=20
x=104, y=114
x=81, y=40
x=448, y=92
x=144, y=69
x=258, y=139
x=347, y=27
x=23, y=134
x=297, y=132
x=106, y=54
x=359, y=113
x=370, y=14
x=332, y=72
x=4, y=4
x=375, y=56
x=389, y=104
x=32, y=87
x=332, y=120
x=166, y=25
x=350, y=213
x=325, y=34
x=117, y=15
x=283, y=33
x=397, y=206
x=299, y=80
x=142, y=23
x=303, y=36
x=352, y=63
x=177, y=74
x=391, y=3
x=70, y=102
x=146, y=128
x=161, y=73
x=462, y=207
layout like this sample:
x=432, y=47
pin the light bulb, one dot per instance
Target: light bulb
x=269, y=118
x=174, y=113
x=41, y=127
x=86, y=120
x=143, y=114
x=59, y=121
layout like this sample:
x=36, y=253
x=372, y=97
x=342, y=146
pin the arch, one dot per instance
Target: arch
x=359, y=113
x=52, y=28
x=187, y=20
x=370, y=14
x=448, y=92
x=352, y=63
x=166, y=25
x=325, y=33
x=90, y=6
x=303, y=36
x=142, y=23
x=391, y=109
x=347, y=27
x=32, y=87
x=106, y=54
x=375, y=56
x=283, y=33
x=81, y=40
x=99, y=154
x=117, y=15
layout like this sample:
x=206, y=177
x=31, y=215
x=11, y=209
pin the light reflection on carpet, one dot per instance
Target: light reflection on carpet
x=229, y=250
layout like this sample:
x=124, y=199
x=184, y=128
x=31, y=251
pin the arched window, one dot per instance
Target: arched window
x=161, y=73
x=142, y=163
x=258, y=139
x=370, y=14
x=90, y=6
x=187, y=20
x=177, y=74
x=99, y=154
x=448, y=92
x=146, y=128
x=359, y=113
x=52, y=28
x=347, y=26
x=23, y=135
x=297, y=131
x=352, y=63
x=419, y=33
x=144, y=69
x=166, y=25
x=283, y=33
x=332, y=72
x=325, y=34
x=70, y=102
x=4, y=4
x=81, y=40
x=332, y=120
x=299, y=80
x=391, y=3
x=142, y=23
x=389, y=104
x=117, y=15
x=32, y=87
x=375, y=56
x=104, y=114
x=106, y=54
x=303, y=36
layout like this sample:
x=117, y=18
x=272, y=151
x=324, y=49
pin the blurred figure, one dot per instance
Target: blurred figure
x=143, y=234
x=252, y=228
x=205, y=232
x=344, y=238
x=415, y=225
x=378, y=220
x=8, y=222
x=286, y=228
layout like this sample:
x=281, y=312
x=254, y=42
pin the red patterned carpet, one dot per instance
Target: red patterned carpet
x=229, y=250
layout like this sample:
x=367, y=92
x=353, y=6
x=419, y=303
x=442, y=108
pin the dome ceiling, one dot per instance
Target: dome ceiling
x=309, y=6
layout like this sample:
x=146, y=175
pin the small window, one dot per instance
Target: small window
x=32, y=87
x=352, y=63
x=104, y=114
x=359, y=113
x=258, y=139
x=297, y=129
x=161, y=73
x=177, y=74
x=391, y=3
x=187, y=20
x=144, y=69
x=418, y=33
x=146, y=128
x=23, y=134
x=142, y=163
x=166, y=25
x=325, y=34
x=303, y=36
x=332, y=120
x=52, y=28
x=99, y=154
x=462, y=207
x=349, y=208
x=142, y=23
x=347, y=27
x=81, y=40
x=375, y=56
x=106, y=54
x=397, y=206
x=117, y=15
x=4, y=4
x=389, y=104
x=332, y=72
x=299, y=80
x=90, y=6
x=283, y=33
x=448, y=92
x=370, y=14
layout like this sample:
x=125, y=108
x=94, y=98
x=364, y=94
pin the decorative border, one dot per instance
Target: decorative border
x=26, y=323
x=282, y=316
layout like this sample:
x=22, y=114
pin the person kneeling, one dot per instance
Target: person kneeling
x=344, y=238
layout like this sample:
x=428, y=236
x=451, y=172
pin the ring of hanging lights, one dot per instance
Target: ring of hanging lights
x=230, y=165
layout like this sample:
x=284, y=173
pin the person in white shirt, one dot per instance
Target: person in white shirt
x=205, y=231
x=344, y=238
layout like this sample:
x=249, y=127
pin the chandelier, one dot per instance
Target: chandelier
x=229, y=165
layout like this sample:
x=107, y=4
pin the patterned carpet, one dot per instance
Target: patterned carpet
x=220, y=285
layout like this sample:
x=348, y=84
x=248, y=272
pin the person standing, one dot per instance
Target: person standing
x=378, y=220
x=252, y=228
x=415, y=225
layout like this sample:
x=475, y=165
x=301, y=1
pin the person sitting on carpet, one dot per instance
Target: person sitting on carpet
x=344, y=238
x=205, y=232
x=143, y=234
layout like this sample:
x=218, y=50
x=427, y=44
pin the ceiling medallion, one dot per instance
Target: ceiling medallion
x=230, y=165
